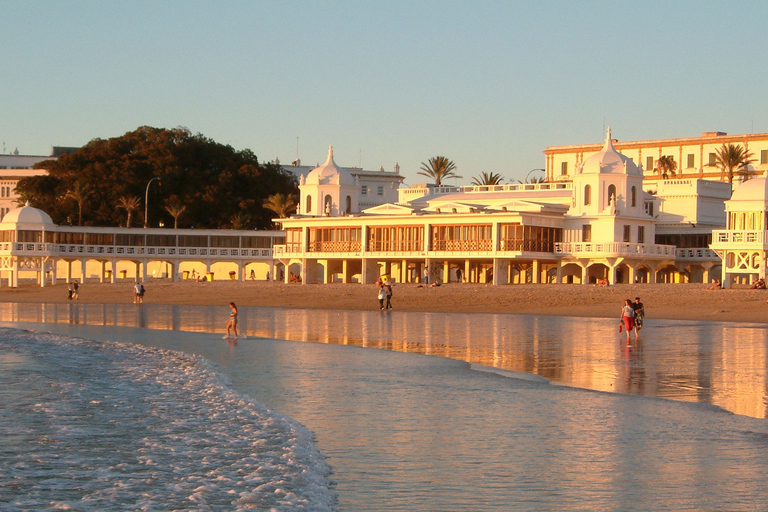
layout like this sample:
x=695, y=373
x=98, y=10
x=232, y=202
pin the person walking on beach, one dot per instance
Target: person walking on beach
x=382, y=294
x=137, y=293
x=627, y=319
x=70, y=291
x=388, y=290
x=75, y=291
x=232, y=322
x=458, y=276
x=639, y=315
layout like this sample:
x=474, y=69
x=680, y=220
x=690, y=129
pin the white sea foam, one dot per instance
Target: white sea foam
x=113, y=426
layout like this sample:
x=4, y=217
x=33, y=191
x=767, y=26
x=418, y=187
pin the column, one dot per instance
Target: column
x=143, y=267
x=584, y=273
x=69, y=271
x=370, y=271
x=500, y=271
x=536, y=271
x=82, y=271
x=559, y=272
x=446, y=272
x=103, y=270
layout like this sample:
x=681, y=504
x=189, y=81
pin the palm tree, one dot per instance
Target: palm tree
x=79, y=193
x=487, y=178
x=282, y=204
x=240, y=220
x=438, y=168
x=130, y=204
x=175, y=209
x=666, y=167
x=732, y=159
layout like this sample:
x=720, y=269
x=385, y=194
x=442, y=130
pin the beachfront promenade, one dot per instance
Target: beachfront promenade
x=32, y=245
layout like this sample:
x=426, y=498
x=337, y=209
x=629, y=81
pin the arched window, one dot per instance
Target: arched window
x=349, y=204
x=587, y=195
x=309, y=204
x=612, y=194
x=328, y=204
x=634, y=196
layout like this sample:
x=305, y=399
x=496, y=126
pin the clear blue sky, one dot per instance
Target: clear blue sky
x=488, y=84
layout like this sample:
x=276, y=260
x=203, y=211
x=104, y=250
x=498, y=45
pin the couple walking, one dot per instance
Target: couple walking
x=632, y=316
x=385, y=292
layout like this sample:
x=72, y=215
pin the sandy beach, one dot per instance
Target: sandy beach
x=669, y=301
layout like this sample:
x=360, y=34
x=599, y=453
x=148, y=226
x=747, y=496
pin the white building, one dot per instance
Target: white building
x=601, y=224
x=743, y=245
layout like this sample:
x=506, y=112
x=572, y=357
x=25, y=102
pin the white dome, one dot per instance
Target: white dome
x=609, y=161
x=329, y=174
x=29, y=217
x=752, y=190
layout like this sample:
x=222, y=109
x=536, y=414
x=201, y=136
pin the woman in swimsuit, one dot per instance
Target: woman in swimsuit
x=232, y=322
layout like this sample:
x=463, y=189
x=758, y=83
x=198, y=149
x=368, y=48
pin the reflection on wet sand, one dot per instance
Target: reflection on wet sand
x=715, y=363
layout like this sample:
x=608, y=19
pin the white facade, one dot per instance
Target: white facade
x=601, y=225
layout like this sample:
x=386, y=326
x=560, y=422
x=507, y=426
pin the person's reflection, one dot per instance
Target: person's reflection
x=141, y=316
x=635, y=365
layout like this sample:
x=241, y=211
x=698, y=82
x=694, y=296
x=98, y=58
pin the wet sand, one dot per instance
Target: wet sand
x=667, y=301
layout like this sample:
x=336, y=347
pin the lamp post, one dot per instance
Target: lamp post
x=146, y=199
x=532, y=170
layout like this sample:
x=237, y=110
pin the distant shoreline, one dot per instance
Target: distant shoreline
x=662, y=301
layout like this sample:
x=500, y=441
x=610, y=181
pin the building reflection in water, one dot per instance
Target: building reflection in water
x=716, y=363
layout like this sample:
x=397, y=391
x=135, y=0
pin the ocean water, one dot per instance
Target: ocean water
x=113, y=426
x=408, y=429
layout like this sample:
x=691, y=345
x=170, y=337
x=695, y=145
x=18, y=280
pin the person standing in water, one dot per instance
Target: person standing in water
x=232, y=322
x=627, y=319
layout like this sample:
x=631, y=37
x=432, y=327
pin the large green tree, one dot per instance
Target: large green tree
x=438, y=168
x=214, y=182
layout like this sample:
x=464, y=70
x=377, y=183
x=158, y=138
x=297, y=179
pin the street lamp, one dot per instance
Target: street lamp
x=146, y=199
x=532, y=170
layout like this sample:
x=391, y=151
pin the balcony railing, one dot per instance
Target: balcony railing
x=697, y=253
x=338, y=246
x=615, y=248
x=96, y=251
x=462, y=245
x=740, y=238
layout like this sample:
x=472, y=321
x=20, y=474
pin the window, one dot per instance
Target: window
x=690, y=161
x=627, y=233
x=712, y=159
x=634, y=197
x=641, y=234
x=587, y=195
x=564, y=168
x=612, y=194
x=586, y=233
x=309, y=205
x=349, y=205
x=648, y=163
x=364, y=190
x=764, y=156
x=380, y=190
x=328, y=204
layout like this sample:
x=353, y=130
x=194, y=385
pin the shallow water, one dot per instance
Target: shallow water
x=116, y=426
x=723, y=364
x=414, y=433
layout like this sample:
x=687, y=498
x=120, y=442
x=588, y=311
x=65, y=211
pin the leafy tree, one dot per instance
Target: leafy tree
x=666, y=167
x=487, y=178
x=282, y=204
x=130, y=204
x=175, y=209
x=214, y=180
x=732, y=159
x=438, y=168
